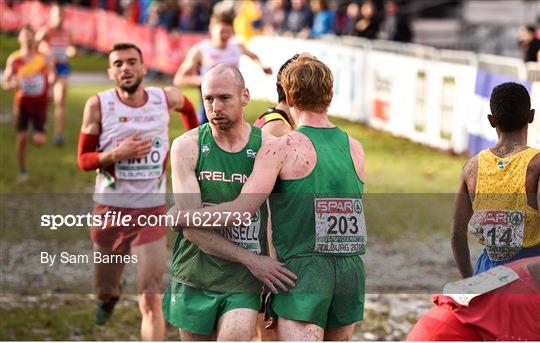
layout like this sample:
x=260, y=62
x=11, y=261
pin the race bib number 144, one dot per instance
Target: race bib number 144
x=340, y=225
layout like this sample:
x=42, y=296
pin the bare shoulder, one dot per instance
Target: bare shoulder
x=276, y=128
x=470, y=173
x=270, y=132
x=471, y=167
x=357, y=149
x=186, y=140
x=281, y=146
x=42, y=34
x=296, y=137
x=275, y=147
x=358, y=156
x=92, y=109
x=193, y=54
x=92, y=116
x=174, y=96
x=185, y=149
x=11, y=58
x=536, y=161
x=534, y=165
x=296, y=144
x=172, y=91
x=93, y=102
x=266, y=136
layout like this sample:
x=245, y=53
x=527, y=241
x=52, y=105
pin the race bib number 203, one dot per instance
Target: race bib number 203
x=340, y=225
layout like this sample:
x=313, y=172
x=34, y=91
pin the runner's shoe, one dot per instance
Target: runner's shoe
x=59, y=139
x=23, y=177
x=104, y=310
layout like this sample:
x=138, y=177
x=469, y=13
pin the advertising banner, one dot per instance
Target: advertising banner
x=480, y=133
x=81, y=23
x=10, y=18
x=451, y=91
x=435, y=103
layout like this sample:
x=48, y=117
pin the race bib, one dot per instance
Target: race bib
x=500, y=231
x=465, y=290
x=59, y=53
x=33, y=85
x=245, y=236
x=340, y=226
x=145, y=168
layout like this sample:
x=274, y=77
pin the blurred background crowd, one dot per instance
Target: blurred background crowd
x=479, y=26
x=303, y=18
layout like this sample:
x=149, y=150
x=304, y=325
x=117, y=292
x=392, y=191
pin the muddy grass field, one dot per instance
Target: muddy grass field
x=400, y=280
x=408, y=212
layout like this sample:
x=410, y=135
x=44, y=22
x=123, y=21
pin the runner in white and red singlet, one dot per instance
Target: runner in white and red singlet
x=221, y=48
x=125, y=136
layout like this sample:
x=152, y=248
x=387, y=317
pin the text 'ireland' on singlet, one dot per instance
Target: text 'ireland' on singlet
x=221, y=176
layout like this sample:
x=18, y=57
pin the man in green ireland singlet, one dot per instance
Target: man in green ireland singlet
x=317, y=175
x=215, y=292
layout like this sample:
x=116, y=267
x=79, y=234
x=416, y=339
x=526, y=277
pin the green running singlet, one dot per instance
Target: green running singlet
x=221, y=176
x=319, y=232
x=322, y=213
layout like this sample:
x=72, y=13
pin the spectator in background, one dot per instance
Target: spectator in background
x=163, y=14
x=368, y=25
x=154, y=13
x=299, y=19
x=341, y=25
x=324, y=19
x=194, y=16
x=132, y=11
x=396, y=25
x=144, y=10
x=108, y=5
x=169, y=14
x=274, y=17
x=248, y=20
x=351, y=18
x=529, y=44
x=187, y=18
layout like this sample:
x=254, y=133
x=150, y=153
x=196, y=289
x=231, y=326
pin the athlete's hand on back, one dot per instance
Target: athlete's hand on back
x=133, y=147
x=271, y=273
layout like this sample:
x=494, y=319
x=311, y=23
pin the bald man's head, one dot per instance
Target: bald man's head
x=227, y=72
x=224, y=94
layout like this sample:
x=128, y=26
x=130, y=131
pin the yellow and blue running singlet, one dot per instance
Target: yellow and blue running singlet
x=502, y=220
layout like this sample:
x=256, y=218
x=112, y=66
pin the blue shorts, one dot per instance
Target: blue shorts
x=62, y=69
x=484, y=262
